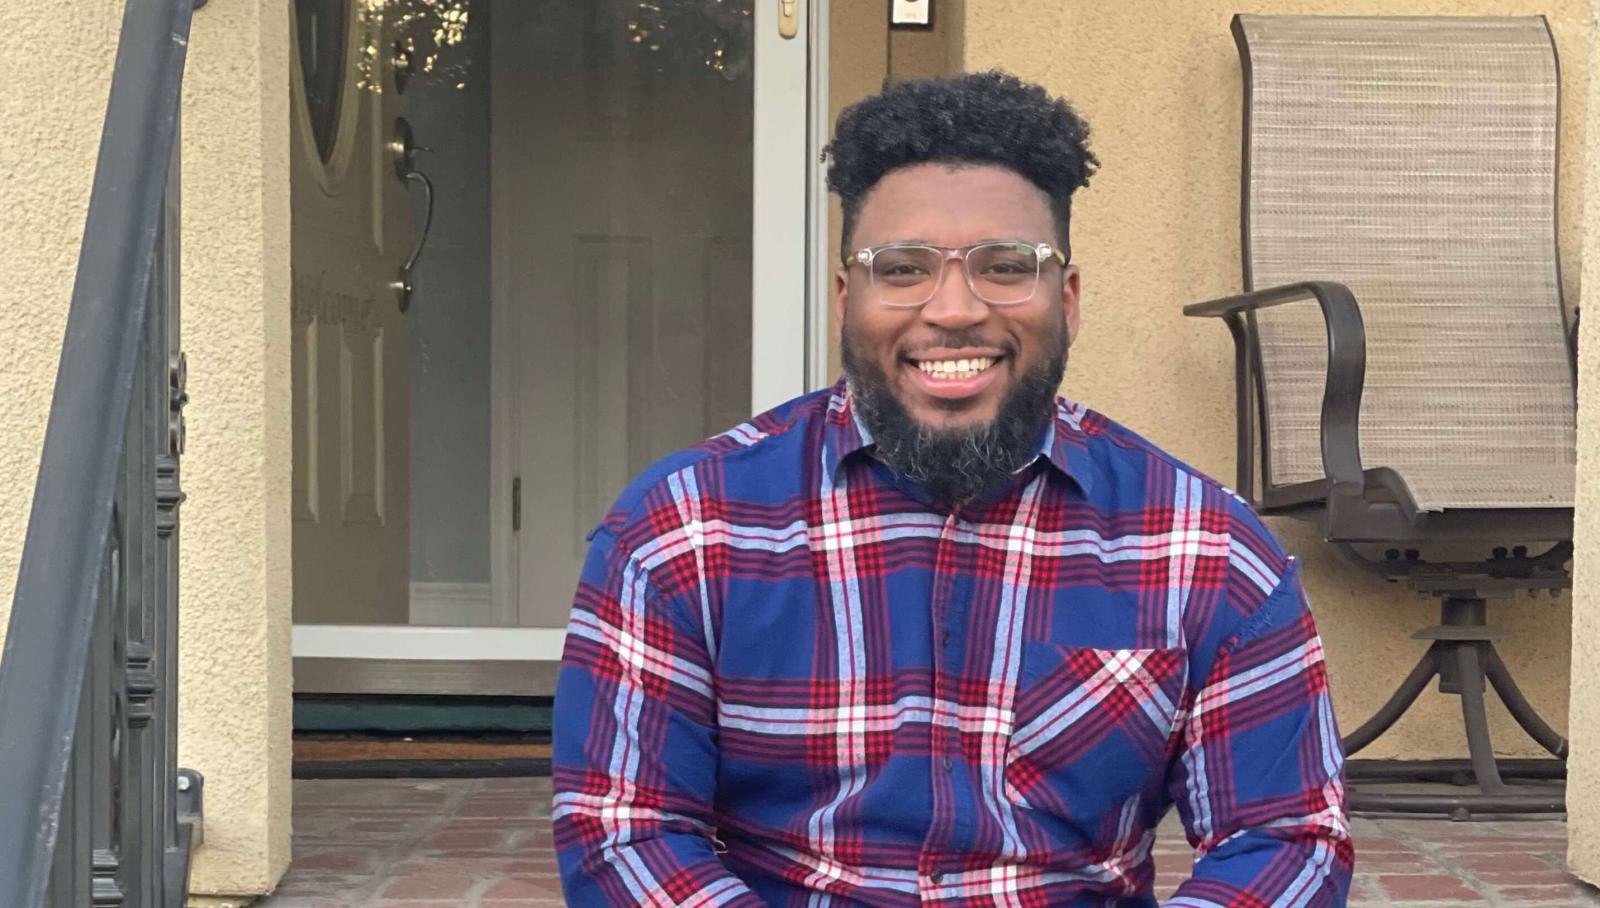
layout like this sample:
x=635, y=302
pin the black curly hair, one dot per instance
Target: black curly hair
x=976, y=118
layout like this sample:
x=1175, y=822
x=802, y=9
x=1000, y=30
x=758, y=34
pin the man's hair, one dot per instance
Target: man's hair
x=990, y=118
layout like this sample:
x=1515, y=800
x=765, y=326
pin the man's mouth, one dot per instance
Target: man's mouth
x=944, y=375
x=955, y=369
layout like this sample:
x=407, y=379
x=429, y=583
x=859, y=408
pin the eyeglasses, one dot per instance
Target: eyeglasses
x=1001, y=273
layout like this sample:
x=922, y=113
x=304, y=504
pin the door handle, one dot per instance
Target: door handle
x=404, y=150
x=788, y=18
x=402, y=284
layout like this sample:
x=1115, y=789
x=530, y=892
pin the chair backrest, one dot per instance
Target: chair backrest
x=1414, y=160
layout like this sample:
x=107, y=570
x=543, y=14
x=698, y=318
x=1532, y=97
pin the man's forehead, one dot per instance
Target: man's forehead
x=979, y=197
x=948, y=173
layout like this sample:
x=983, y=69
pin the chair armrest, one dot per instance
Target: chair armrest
x=1341, y=390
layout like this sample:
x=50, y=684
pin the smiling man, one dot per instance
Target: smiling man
x=935, y=635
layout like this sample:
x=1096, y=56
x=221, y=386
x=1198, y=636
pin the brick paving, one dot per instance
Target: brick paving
x=486, y=843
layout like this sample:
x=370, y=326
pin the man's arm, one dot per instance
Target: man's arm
x=1258, y=777
x=635, y=747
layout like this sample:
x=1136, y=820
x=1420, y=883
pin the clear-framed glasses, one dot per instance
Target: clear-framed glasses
x=999, y=272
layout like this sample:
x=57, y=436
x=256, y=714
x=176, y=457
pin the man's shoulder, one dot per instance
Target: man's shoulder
x=1137, y=466
x=1122, y=455
x=748, y=446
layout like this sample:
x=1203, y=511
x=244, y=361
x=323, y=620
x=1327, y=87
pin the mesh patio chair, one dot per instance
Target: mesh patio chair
x=1400, y=174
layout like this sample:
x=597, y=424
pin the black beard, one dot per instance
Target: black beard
x=956, y=465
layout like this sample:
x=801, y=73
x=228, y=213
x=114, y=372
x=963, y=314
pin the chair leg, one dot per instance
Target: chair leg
x=1463, y=657
x=1469, y=664
x=1411, y=688
x=1521, y=709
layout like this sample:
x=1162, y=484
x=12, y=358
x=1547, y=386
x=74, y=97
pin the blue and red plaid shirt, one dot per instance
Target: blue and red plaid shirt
x=793, y=678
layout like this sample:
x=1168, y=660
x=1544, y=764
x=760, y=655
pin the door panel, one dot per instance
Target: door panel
x=350, y=228
x=612, y=275
x=623, y=162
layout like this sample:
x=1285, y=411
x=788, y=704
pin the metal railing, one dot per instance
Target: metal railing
x=93, y=809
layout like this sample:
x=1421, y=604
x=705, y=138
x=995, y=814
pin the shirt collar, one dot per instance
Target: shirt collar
x=843, y=434
x=1063, y=443
x=1066, y=446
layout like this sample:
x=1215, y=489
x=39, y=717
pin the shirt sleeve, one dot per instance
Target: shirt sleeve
x=1259, y=774
x=634, y=747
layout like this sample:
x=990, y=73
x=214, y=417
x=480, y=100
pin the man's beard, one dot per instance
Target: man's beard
x=956, y=465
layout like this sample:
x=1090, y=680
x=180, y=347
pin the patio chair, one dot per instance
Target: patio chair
x=1400, y=175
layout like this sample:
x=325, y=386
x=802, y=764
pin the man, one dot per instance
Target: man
x=935, y=635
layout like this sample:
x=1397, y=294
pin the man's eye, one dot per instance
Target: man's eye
x=902, y=270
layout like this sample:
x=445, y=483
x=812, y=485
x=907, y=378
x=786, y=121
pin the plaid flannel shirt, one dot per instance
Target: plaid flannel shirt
x=792, y=678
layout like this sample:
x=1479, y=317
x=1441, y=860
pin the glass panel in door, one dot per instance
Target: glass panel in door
x=622, y=160
x=583, y=303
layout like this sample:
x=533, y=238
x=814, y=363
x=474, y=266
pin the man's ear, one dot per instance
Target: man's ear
x=841, y=289
x=1070, y=302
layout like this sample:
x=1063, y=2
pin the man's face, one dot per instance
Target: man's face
x=943, y=205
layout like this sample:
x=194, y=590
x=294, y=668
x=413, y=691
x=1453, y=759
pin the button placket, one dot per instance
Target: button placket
x=942, y=740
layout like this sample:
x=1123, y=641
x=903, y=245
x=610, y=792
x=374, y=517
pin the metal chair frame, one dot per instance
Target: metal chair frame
x=1361, y=508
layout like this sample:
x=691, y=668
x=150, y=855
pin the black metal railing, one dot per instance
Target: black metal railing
x=93, y=809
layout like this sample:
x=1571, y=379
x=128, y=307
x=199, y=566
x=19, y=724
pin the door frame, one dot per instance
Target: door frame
x=789, y=231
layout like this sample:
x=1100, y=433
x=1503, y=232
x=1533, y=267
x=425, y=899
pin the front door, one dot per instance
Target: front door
x=617, y=267
x=622, y=155
x=351, y=226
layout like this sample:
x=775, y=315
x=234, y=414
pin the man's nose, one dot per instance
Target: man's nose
x=953, y=304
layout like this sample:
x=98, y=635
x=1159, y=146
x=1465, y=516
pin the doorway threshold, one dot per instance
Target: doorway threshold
x=402, y=641
x=400, y=659
x=444, y=677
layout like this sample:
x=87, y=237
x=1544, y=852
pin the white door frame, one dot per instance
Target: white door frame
x=819, y=258
x=780, y=218
x=791, y=272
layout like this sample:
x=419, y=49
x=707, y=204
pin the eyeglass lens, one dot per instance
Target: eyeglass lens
x=997, y=272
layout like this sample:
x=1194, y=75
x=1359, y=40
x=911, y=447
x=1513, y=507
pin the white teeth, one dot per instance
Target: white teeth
x=956, y=368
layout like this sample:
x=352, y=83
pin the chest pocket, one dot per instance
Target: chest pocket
x=1092, y=725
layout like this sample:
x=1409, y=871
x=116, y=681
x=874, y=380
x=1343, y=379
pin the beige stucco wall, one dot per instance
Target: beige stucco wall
x=234, y=725
x=47, y=196
x=1583, y=768
x=236, y=678
x=1158, y=228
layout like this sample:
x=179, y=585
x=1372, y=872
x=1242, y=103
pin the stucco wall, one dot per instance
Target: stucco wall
x=1583, y=769
x=47, y=197
x=236, y=675
x=234, y=724
x=1158, y=228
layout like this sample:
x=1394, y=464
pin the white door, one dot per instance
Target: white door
x=350, y=347
x=624, y=151
x=654, y=226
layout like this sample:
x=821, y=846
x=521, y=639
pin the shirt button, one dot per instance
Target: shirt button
x=937, y=876
x=944, y=639
x=948, y=763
